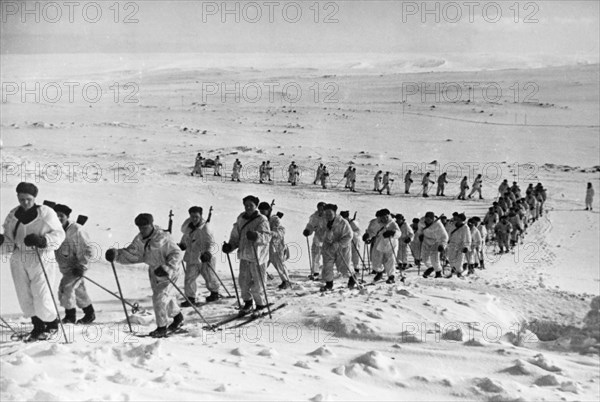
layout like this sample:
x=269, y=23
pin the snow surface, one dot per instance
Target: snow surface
x=385, y=342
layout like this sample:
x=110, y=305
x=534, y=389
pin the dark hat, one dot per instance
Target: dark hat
x=461, y=217
x=195, y=210
x=382, y=212
x=63, y=209
x=416, y=220
x=332, y=207
x=345, y=214
x=429, y=215
x=321, y=204
x=252, y=199
x=264, y=206
x=399, y=217
x=27, y=188
x=144, y=219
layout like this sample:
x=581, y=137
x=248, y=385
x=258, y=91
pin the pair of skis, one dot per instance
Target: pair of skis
x=244, y=319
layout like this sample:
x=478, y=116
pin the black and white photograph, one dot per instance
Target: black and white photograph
x=309, y=200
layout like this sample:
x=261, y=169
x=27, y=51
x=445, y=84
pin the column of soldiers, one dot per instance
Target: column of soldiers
x=259, y=238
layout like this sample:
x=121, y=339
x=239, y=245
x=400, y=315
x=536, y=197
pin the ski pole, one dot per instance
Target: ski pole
x=362, y=275
x=310, y=261
x=361, y=260
x=191, y=304
x=233, y=279
x=37, y=251
x=396, y=259
x=220, y=281
x=7, y=325
x=135, y=307
x=183, y=266
x=358, y=284
x=112, y=263
x=262, y=280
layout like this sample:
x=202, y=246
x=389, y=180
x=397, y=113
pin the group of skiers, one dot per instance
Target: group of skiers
x=259, y=238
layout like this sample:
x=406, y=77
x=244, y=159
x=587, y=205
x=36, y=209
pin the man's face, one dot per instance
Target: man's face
x=428, y=220
x=249, y=207
x=195, y=217
x=264, y=212
x=320, y=209
x=26, y=200
x=383, y=219
x=62, y=218
x=145, y=230
x=329, y=215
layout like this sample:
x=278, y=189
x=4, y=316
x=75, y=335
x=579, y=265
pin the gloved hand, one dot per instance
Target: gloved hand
x=110, y=255
x=205, y=256
x=1, y=239
x=389, y=233
x=421, y=237
x=160, y=272
x=407, y=240
x=78, y=271
x=306, y=232
x=441, y=248
x=252, y=235
x=182, y=246
x=465, y=250
x=33, y=239
x=365, y=237
x=279, y=215
x=227, y=248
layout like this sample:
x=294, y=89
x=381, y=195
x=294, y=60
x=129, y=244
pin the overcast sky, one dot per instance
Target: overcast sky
x=547, y=27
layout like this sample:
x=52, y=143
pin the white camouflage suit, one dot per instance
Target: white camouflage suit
x=406, y=232
x=460, y=237
x=158, y=249
x=434, y=236
x=316, y=223
x=75, y=252
x=277, y=255
x=336, y=248
x=356, y=243
x=32, y=290
x=252, y=276
x=476, y=246
x=198, y=239
x=383, y=249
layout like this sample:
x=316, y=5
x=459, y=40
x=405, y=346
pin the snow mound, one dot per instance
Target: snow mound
x=123, y=379
x=548, y=380
x=169, y=378
x=268, y=352
x=541, y=361
x=239, y=352
x=346, y=327
x=453, y=335
x=372, y=363
x=321, y=351
x=145, y=353
x=570, y=386
x=21, y=359
x=488, y=385
x=302, y=364
x=45, y=396
x=519, y=368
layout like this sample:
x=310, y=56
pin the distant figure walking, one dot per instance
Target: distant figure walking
x=589, y=197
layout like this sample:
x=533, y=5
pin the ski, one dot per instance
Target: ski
x=261, y=315
x=227, y=320
x=178, y=331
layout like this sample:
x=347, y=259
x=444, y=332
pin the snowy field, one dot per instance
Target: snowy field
x=114, y=158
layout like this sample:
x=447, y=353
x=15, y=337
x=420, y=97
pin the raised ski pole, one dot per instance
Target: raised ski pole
x=37, y=251
x=112, y=263
x=262, y=280
x=135, y=307
x=191, y=304
x=220, y=281
x=233, y=279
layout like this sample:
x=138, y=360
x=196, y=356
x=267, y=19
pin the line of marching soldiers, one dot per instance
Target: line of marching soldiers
x=432, y=240
x=33, y=234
